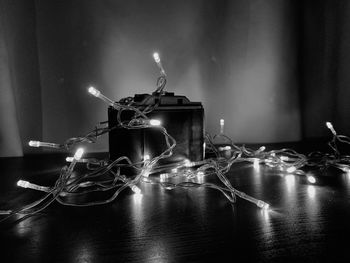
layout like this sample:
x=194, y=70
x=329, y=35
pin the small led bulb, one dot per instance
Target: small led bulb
x=146, y=157
x=222, y=125
x=78, y=154
x=284, y=158
x=263, y=205
x=261, y=149
x=311, y=179
x=34, y=143
x=136, y=189
x=155, y=122
x=94, y=92
x=23, y=184
x=156, y=57
x=330, y=126
x=291, y=169
x=69, y=159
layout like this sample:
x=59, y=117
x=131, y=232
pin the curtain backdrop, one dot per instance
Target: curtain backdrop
x=274, y=70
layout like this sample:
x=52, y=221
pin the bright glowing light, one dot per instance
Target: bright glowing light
x=34, y=143
x=146, y=157
x=69, y=159
x=284, y=158
x=24, y=184
x=291, y=169
x=94, y=92
x=174, y=170
x=261, y=149
x=256, y=164
x=136, y=189
x=78, y=154
x=155, y=122
x=263, y=205
x=156, y=57
x=224, y=148
x=222, y=124
x=330, y=126
x=311, y=179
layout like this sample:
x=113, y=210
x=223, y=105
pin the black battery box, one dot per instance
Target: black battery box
x=183, y=120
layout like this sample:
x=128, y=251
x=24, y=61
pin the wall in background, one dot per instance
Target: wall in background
x=238, y=57
x=20, y=94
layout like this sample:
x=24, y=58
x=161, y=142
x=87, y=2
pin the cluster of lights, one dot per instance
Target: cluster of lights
x=286, y=160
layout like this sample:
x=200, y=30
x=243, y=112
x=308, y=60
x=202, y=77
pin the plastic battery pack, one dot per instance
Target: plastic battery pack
x=183, y=120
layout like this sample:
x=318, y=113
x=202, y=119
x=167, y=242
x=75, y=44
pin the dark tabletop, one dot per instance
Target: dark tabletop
x=306, y=223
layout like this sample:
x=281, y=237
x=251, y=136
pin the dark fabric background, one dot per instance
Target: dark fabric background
x=274, y=70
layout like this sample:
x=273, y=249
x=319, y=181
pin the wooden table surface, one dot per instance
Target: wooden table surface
x=306, y=223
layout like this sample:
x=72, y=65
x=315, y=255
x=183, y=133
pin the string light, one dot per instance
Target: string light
x=330, y=126
x=44, y=144
x=155, y=122
x=311, y=179
x=95, y=180
x=95, y=92
x=222, y=126
x=26, y=184
x=156, y=58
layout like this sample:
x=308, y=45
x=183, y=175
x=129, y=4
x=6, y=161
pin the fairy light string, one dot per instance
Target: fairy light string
x=106, y=176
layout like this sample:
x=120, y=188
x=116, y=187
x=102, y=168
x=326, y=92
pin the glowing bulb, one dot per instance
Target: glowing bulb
x=44, y=144
x=284, y=158
x=94, y=92
x=34, y=143
x=174, y=170
x=24, y=184
x=78, y=154
x=330, y=126
x=311, y=179
x=263, y=205
x=291, y=169
x=146, y=157
x=156, y=57
x=136, y=189
x=155, y=122
x=261, y=149
x=69, y=159
x=224, y=148
x=222, y=124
